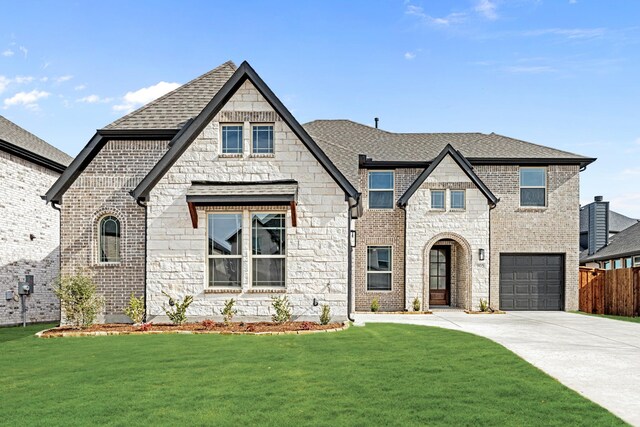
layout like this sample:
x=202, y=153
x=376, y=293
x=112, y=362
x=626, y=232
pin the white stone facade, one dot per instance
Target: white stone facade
x=469, y=228
x=29, y=240
x=316, y=249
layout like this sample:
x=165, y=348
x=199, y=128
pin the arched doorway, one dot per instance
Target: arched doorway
x=447, y=276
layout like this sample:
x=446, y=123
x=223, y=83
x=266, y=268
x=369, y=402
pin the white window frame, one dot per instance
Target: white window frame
x=273, y=141
x=381, y=190
x=119, y=241
x=616, y=261
x=444, y=199
x=545, y=187
x=251, y=256
x=464, y=200
x=636, y=261
x=209, y=256
x=390, y=272
x=222, y=126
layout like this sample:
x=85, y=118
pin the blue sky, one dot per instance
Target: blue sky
x=562, y=73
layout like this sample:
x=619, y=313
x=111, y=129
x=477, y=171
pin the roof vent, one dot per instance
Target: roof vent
x=375, y=119
x=598, y=199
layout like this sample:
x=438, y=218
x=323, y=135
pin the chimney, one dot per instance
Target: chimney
x=598, y=224
x=375, y=119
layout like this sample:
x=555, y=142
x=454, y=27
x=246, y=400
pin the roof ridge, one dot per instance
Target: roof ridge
x=537, y=145
x=229, y=63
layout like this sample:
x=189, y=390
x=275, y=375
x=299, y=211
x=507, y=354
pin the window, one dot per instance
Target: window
x=533, y=187
x=379, y=268
x=457, y=199
x=109, y=240
x=268, y=249
x=381, y=190
x=607, y=265
x=437, y=199
x=617, y=263
x=225, y=250
x=636, y=261
x=231, y=139
x=628, y=263
x=262, y=139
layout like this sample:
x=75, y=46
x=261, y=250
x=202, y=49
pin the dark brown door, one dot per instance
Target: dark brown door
x=439, y=275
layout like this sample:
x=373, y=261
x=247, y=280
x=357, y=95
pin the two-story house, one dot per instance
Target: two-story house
x=215, y=190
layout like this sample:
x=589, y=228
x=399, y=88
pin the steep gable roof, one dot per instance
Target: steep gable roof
x=23, y=143
x=462, y=163
x=617, y=221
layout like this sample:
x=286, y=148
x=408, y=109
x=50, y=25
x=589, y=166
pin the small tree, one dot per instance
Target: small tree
x=416, y=304
x=78, y=300
x=228, y=311
x=282, y=306
x=177, y=311
x=375, y=305
x=135, y=309
x=325, y=315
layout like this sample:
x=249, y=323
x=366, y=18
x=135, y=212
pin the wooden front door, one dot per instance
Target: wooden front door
x=439, y=275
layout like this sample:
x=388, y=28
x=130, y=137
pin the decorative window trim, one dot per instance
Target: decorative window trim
x=380, y=190
x=390, y=272
x=464, y=200
x=273, y=140
x=545, y=187
x=229, y=124
x=444, y=200
x=251, y=256
x=209, y=256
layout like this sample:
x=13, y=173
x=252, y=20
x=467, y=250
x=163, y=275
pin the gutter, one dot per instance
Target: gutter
x=144, y=205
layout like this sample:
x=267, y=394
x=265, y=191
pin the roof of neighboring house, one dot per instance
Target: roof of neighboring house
x=172, y=110
x=617, y=222
x=23, y=143
x=344, y=140
x=625, y=243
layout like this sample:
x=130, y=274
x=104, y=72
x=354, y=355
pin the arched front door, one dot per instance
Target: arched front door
x=440, y=275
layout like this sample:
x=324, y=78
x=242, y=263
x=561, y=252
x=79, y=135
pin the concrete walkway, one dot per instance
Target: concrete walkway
x=599, y=358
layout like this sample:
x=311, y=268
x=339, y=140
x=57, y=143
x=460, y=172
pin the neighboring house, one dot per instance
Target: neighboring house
x=215, y=190
x=608, y=239
x=29, y=231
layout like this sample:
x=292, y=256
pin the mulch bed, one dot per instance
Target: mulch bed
x=206, y=327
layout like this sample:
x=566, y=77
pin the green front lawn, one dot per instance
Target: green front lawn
x=611, y=316
x=375, y=375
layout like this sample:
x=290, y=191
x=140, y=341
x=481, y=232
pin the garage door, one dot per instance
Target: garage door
x=531, y=282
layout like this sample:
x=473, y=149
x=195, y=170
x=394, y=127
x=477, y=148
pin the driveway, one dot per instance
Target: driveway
x=599, y=358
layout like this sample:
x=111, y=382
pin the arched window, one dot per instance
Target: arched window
x=109, y=240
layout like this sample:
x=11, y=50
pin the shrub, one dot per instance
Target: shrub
x=78, y=300
x=228, y=311
x=177, y=311
x=416, y=304
x=375, y=305
x=282, y=306
x=135, y=309
x=484, y=305
x=325, y=316
x=208, y=324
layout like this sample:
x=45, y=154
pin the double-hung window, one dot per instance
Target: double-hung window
x=232, y=139
x=381, y=190
x=379, y=268
x=533, y=187
x=262, y=139
x=268, y=235
x=225, y=249
x=437, y=199
x=457, y=199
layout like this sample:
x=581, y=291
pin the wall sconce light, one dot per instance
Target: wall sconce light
x=481, y=254
x=353, y=238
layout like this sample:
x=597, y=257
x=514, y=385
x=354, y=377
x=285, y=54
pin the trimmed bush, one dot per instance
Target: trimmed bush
x=78, y=299
x=375, y=305
x=325, y=315
x=135, y=309
x=282, y=307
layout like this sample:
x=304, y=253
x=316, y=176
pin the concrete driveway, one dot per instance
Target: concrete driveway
x=599, y=358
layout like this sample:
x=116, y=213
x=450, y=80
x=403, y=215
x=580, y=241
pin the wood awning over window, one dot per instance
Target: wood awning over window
x=260, y=193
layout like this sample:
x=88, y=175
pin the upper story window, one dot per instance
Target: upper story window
x=379, y=268
x=437, y=199
x=231, y=139
x=225, y=249
x=268, y=236
x=262, y=139
x=533, y=187
x=617, y=263
x=458, y=199
x=109, y=239
x=636, y=261
x=381, y=190
x=628, y=263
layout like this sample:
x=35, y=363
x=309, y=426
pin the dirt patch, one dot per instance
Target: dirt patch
x=204, y=327
x=485, y=312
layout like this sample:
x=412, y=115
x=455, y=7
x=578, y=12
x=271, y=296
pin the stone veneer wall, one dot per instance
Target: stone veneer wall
x=381, y=227
x=553, y=229
x=24, y=214
x=103, y=188
x=316, y=248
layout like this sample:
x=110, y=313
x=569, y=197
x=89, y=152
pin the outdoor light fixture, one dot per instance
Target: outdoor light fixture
x=353, y=238
x=481, y=254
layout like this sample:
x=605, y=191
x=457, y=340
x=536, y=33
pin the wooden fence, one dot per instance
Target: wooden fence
x=610, y=291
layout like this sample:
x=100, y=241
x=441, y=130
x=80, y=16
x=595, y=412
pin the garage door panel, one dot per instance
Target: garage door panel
x=531, y=282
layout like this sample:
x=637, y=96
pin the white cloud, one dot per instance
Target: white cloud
x=27, y=99
x=627, y=204
x=44, y=79
x=80, y=87
x=4, y=82
x=23, y=79
x=487, y=9
x=63, y=79
x=452, y=18
x=24, y=50
x=409, y=56
x=94, y=99
x=573, y=1
x=570, y=33
x=143, y=96
x=8, y=52
x=533, y=69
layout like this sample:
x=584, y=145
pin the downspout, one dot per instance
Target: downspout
x=492, y=206
x=350, y=259
x=404, y=274
x=144, y=205
x=55, y=206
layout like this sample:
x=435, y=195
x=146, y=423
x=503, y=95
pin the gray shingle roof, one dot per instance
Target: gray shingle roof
x=171, y=110
x=243, y=189
x=344, y=140
x=617, y=222
x=626, y=242
x=21, y=138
